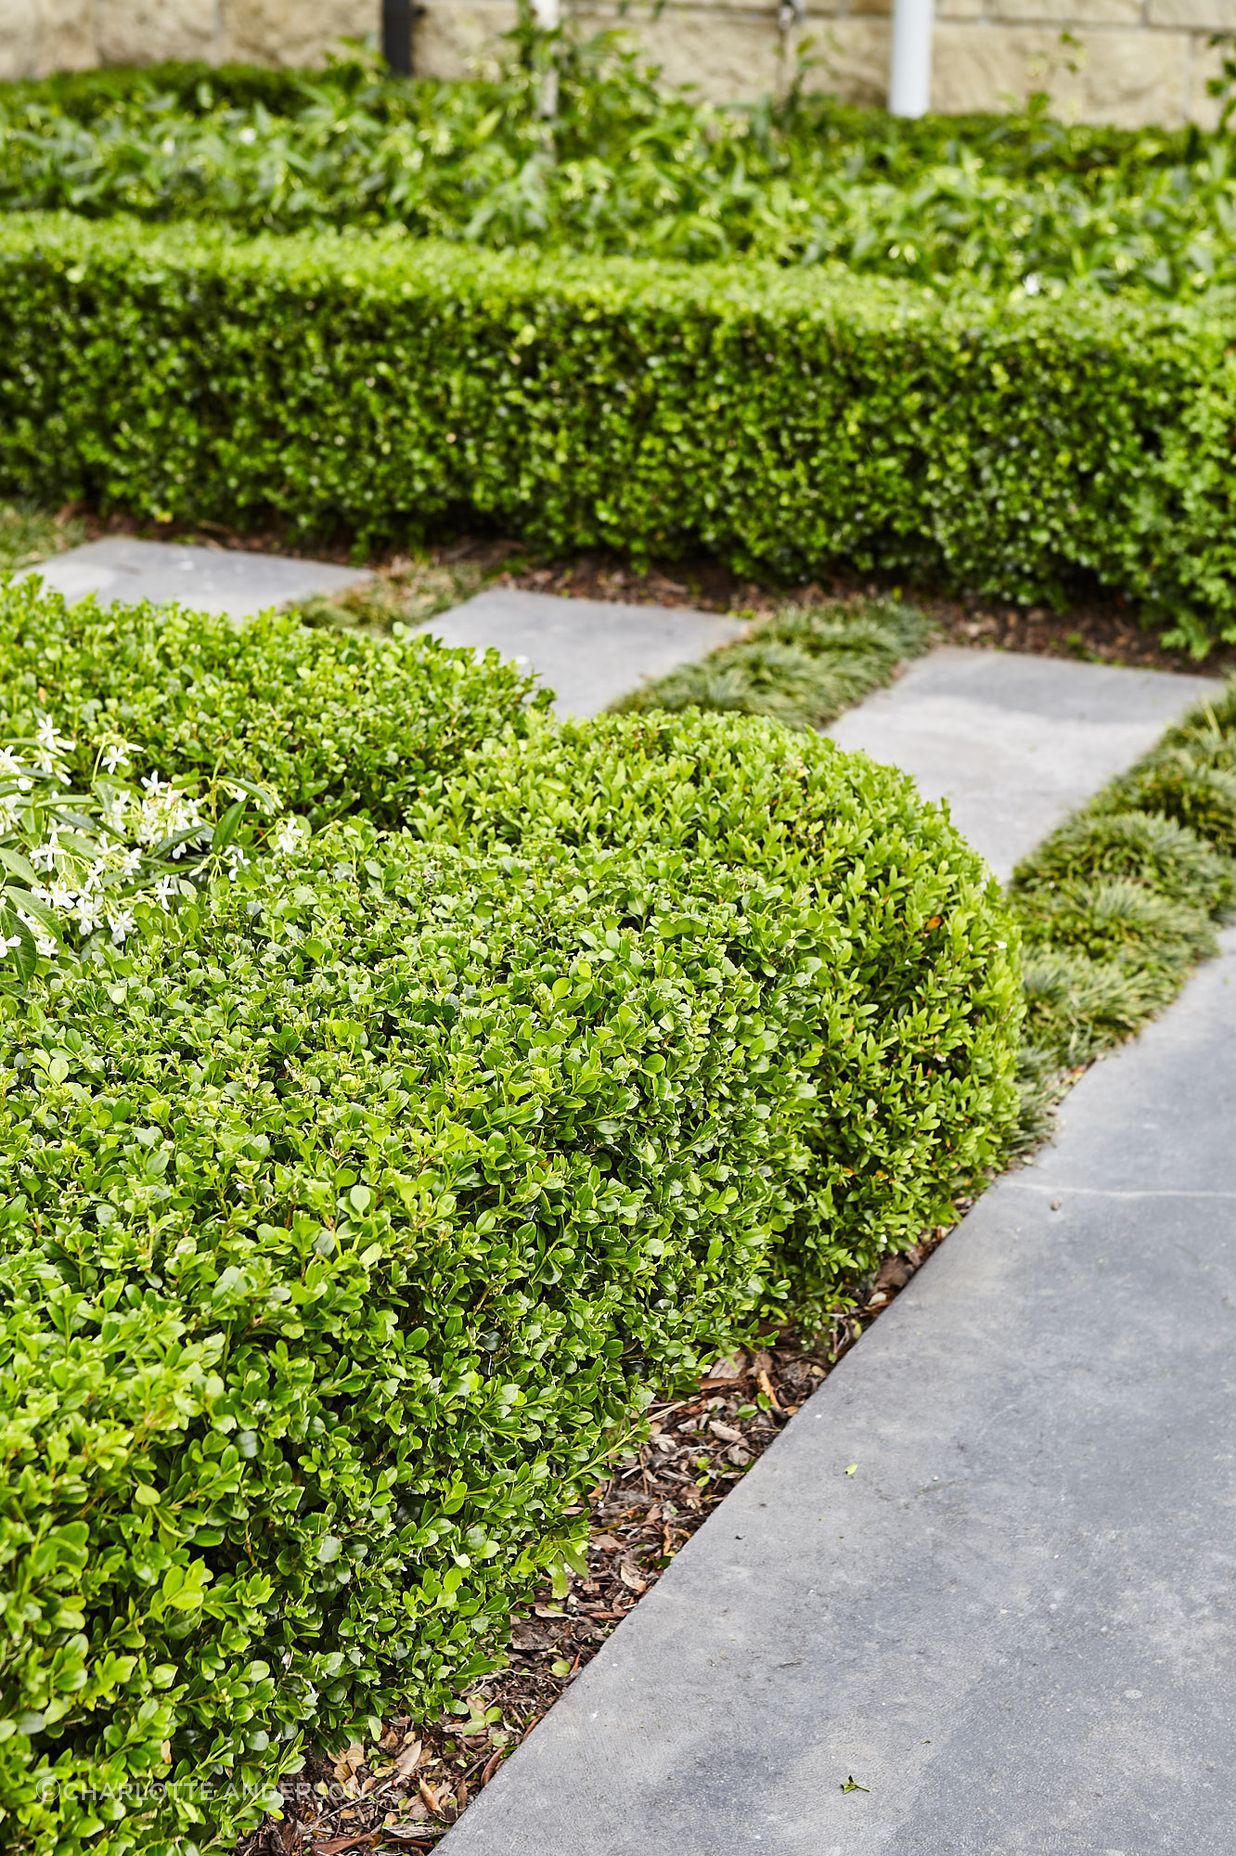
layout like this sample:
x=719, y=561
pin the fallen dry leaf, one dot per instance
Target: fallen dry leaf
x=893, y=1273
x=409, y=1759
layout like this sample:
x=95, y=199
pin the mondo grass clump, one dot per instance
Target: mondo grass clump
x=1118, y=906
x=353, y=1214
x=803, y=666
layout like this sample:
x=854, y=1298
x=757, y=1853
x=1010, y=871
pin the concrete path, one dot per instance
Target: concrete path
x=1012, y=1626
x=1015, y=743
x=233, y=581
x=589, y=651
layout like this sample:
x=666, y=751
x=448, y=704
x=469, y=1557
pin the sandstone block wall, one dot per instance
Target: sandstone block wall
x=1124, y=61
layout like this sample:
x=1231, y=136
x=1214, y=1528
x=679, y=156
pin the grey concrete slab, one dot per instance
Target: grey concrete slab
x=228, y=580
x=589, y=651
x=1012, y=1624
x=1015, y=743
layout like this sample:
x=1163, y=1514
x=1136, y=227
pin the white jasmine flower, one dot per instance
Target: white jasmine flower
x=50, y=742
x=43, y=856
x=247, y=135
x=164, y=890
x=121, y=924
x=1032, y=283
x=289, y=834
x=116, y=755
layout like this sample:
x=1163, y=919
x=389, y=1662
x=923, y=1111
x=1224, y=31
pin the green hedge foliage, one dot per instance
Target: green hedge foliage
x=330, y=721
x=349, y=1222
x=189, y=85
x=742, y=793
x=783, y=421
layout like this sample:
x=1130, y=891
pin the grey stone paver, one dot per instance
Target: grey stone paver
x=589, y=651
x=233, y=581
x=1014, y=1622
x=1015, y=743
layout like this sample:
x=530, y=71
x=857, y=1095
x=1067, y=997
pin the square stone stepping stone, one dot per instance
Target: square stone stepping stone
x=589, y=651
x=1015, y=743
x=232, y=581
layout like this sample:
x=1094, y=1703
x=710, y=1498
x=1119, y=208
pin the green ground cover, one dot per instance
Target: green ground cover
x=29, y=534
x=632, y=165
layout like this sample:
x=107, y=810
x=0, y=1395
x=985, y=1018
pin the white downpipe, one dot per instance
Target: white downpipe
x=909, y=83
x=548, y=16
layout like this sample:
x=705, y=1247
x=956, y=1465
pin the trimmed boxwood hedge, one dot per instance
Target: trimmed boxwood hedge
x=742, y=793
x=350, y=1220
x=329, y=720
x=372, y=384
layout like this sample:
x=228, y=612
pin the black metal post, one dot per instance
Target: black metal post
x=398, y=17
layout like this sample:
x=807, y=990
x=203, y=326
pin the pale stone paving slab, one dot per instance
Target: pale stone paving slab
x=1015, y=743
x=589, y=651
x=1012, y=1623
x=232, y=581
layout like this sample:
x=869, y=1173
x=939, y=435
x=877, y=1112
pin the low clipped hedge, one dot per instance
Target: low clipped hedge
x=192, y=84
x=783, y=421
x=332, y=721
x=349, y=1222
x=921, y=932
